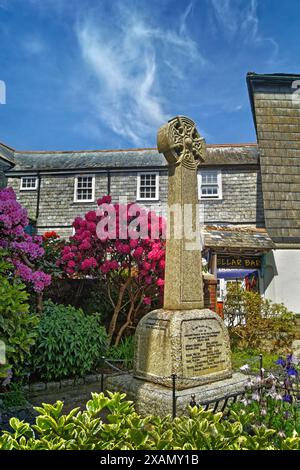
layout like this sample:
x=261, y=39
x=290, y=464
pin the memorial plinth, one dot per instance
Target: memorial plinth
x=193, y=345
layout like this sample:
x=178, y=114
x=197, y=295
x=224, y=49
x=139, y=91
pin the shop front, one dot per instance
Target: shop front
x=237, y=271
x=235, y=255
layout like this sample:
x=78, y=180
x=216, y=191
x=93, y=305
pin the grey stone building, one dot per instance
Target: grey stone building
x=55, y=187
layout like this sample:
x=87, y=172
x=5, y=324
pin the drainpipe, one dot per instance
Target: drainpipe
x=108, y=182
x=37, y=213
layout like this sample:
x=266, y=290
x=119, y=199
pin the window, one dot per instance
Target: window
x=84, y=188
x=210, y=184
x=148, y=186
x=29, y=183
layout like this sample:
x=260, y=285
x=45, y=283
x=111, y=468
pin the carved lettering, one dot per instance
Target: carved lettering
x=202, y=348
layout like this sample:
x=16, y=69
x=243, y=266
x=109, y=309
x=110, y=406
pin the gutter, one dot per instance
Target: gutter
x=109, y=170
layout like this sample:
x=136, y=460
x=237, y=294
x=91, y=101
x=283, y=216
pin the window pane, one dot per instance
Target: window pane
x=148, y=186
x=209, y=177
x=84, y=188
x=28, y=183
x=209, y=191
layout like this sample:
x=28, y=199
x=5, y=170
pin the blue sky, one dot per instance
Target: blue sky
x=88, y=74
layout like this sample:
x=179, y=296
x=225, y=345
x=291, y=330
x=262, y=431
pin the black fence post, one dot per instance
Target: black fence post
x=173, y=396
x=102, y=376
x=261, y=366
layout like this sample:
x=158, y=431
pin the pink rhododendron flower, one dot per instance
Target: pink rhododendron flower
x=120, y=251
x=104, y=200
x=138, y=252
x=91, y=216
x=89, y=263
x=24, y=249
x=133, y=243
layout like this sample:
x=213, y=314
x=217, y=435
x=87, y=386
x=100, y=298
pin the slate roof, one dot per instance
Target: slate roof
x=234, y=238
x=6, y=153
x=224, y=154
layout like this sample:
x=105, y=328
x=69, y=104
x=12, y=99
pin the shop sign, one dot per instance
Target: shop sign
x=241, y=262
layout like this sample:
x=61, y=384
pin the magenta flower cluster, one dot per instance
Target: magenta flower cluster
x=24, y=250
x=90, y=254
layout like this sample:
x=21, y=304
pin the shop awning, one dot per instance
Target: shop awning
x=231, y=239
x=231, y=274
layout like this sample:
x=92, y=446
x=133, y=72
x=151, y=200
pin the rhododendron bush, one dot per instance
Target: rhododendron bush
x=122, y=244
x=24, y=251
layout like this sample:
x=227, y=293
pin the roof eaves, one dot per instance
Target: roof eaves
x=278, y=78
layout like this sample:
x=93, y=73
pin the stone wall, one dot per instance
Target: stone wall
x=73, y=392
x=241, y=202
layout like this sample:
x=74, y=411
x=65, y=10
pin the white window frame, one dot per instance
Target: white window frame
x=76, y=188
x=140, y=174
x=219, y=183
x=22, y=188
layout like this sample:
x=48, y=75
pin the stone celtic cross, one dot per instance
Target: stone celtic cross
x=181, y=339
x=184, y=150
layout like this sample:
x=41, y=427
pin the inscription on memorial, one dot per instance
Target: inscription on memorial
x=203, y=348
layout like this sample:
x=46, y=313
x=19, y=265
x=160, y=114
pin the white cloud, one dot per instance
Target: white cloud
x=33, y=45
x=125, y=62
x=241, y=17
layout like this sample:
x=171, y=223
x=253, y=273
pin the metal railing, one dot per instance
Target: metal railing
x=221, y=403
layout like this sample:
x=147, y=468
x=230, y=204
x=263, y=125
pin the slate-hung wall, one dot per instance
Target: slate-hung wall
x=241, y=197
x=242, y=201
x=277, y=115
x=28, y=199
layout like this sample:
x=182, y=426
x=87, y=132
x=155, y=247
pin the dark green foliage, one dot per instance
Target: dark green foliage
x=124, y=429
x=69, y=344
x=18, y=328
x=88, y=294
x=14, y=397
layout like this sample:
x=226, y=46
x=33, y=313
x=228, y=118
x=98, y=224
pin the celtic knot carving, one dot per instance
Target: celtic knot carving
x=181, y=143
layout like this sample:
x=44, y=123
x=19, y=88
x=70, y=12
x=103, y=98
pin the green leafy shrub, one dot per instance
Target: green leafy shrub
x=257, y=323
x=124, y=429
x=124, y=351
x=69, y=343
x=18, y=328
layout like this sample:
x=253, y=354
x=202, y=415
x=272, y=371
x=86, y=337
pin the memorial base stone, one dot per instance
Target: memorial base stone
x=150, y=398
x=192, y=344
